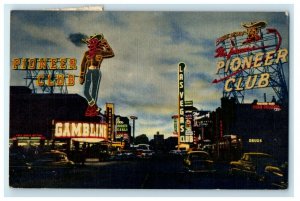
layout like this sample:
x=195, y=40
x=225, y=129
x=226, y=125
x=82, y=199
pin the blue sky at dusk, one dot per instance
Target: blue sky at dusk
x=141, y=79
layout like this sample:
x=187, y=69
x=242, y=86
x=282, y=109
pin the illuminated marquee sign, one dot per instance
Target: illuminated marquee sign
x=46, y=65
x=110, y=120
x=255, y=140
x=28, y=137
x=188, y=128
x=80, y=130
x=266, y=106
x=249, y=59
x=121, y=128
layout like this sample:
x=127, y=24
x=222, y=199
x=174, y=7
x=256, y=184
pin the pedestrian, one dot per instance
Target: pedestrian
x=90, y=73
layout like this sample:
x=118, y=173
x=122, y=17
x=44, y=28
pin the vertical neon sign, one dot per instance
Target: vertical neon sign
x=110, y=120
x=181, y=119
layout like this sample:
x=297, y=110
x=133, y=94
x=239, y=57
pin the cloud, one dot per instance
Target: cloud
x=76, y=39
x=114, y=18
x=40, y=18
x=142, y=77
x=207, y=77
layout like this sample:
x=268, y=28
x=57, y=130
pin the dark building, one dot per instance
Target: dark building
x=171, y=143
x=158, y=142
x=34, y=113
x=262, y=129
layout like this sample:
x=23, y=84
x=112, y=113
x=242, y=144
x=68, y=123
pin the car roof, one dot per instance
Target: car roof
x=257, y=153
x=54, y=152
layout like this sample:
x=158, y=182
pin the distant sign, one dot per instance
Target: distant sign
x=121, y=128
x=110, y=111
x=255, y=140
x=188, y=103
x=266, y=106
x=121, y=125
x=28, y=137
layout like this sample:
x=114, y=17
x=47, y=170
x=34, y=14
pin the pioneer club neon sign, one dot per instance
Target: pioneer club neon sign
x=245, y=56
x=40, y=65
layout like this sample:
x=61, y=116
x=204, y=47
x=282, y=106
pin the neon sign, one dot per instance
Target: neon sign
x=28, y=137
x=250, y=59
x=46, y=65
x=181, y=120
x=266, y=106
x=255, y=140
x=110, y=112
x=185, y=135
x=80, y=130
x=121, y=128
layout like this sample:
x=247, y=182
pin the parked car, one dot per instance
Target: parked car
x=259, y=166
x=199, y=161
x=52, y=162
x=18, y=164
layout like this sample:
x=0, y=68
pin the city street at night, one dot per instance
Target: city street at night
x=162, y=172
x=182, y=103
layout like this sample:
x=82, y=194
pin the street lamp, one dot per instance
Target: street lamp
x=133, y=125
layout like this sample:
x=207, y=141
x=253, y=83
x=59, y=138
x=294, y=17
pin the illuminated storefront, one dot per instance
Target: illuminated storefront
x=33, y=124
x=123, y=129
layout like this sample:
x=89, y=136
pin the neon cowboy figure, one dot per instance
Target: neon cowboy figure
x=90, y=72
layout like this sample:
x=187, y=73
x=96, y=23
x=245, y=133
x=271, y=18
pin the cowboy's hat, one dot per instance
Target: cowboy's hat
x=259, y=24
x=98, y=36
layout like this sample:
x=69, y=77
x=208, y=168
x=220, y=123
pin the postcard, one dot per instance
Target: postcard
x=149, y=100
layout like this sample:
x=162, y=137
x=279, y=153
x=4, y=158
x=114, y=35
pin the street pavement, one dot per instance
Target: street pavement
x=162, y=172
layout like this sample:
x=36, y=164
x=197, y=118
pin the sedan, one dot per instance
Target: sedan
x=199, y=162
x=259, y=166
x=18, y=165
x=53, y=162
